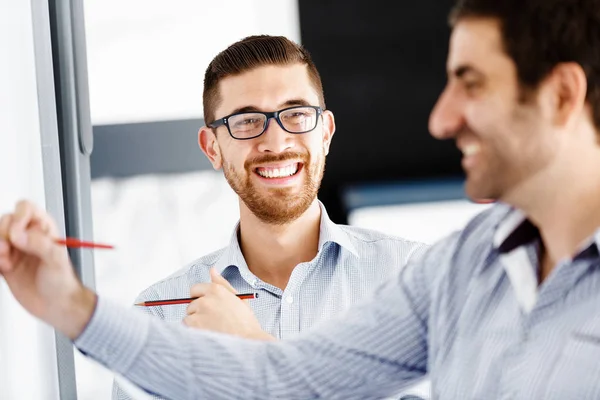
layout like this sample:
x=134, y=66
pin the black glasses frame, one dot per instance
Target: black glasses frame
x=275, y=114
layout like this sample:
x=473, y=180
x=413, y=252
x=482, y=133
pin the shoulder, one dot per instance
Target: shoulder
x=478, y=233
x=179, y=283
x=364, y=235
x=461, y=252
x=364, y=239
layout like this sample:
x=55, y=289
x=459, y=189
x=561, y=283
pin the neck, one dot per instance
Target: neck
x=565, y=206
x=273, y=251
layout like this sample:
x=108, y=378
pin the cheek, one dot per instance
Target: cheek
x=235, y=155
x=315, y=144
x=484, y=116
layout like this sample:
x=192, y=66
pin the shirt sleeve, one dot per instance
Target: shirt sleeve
x=374, y=350
x=118, y=393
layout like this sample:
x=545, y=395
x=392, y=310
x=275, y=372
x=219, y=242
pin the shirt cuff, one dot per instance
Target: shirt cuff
x=114, y=336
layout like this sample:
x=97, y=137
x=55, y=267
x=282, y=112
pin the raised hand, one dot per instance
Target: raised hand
x=39, y=272
x=218, y=309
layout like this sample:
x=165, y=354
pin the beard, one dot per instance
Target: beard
x=485, y=184
x=510, y=156
x=277, y=206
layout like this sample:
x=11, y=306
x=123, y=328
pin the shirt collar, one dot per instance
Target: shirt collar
x=232, y=255
x=515, y=230
x=329, y=232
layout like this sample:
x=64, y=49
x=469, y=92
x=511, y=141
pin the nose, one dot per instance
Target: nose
x=274, y=139
x=447, y=117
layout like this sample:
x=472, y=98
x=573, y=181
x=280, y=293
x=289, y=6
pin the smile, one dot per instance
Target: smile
x=279, y=171
x=471, y=150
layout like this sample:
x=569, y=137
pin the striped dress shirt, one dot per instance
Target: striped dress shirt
x=351, y=263
x=466, y=312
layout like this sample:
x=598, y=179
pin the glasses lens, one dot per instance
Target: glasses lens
x=247, y=125
x=299, y=119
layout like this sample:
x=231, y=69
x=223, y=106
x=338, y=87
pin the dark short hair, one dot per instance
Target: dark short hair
x=250, y=53
x=540, y=34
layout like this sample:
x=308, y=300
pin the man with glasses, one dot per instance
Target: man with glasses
x=269, y=130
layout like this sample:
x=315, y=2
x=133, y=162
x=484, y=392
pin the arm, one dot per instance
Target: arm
x=217, y=309
x=122, y=390
x=372, y=351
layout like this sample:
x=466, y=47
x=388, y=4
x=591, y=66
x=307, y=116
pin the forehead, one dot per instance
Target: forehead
x=477, y=43
x=266, y=88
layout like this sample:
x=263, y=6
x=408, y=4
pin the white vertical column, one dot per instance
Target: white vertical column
x=28, y=367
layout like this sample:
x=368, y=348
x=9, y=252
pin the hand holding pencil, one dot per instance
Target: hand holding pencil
x=218, y=308
x=39, y=273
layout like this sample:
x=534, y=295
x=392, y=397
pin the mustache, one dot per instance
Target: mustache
x=464, y=131
x=273, y=158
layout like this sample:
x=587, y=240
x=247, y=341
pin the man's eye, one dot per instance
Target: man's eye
x=297, y=114
x=471, y=85
x=249, y=121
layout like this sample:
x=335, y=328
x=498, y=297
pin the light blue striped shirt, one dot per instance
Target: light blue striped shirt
x=351, y=263
x=454, y=313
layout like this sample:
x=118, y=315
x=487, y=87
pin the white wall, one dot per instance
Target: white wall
x=422, y=222
x=146, y=58
x=27, y=360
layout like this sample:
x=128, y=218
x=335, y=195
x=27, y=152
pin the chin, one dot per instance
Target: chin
x=480, y=190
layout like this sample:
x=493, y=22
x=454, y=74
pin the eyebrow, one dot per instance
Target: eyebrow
x=288, y=103
x=463, y=70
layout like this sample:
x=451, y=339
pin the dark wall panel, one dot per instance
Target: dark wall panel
x=383, y=66
x=159, y=147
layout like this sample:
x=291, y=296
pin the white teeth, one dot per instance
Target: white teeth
x=278, y=172
x=471, y=149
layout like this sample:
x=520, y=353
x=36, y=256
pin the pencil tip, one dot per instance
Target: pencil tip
x=138, y=304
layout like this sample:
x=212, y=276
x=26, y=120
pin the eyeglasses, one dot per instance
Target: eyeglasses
x=249, y=125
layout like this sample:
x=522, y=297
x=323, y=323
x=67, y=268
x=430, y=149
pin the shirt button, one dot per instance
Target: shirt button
x=255, y=283
x=289, y=299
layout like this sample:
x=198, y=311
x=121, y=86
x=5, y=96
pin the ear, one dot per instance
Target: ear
x=570, y=87
x=328, y=129
x=207, y=140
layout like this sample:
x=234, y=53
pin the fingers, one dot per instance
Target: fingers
x=194, y=307
x=5, y=264
x=200, y=289
x=205, y=292
x=4, y=248
x=21, y=217
x=190, y=320
x=194, y=321
x=30, y=230
x=5, y=223
x=4, y=245
x=27, y=215
x=36, y=243
x=215, y=277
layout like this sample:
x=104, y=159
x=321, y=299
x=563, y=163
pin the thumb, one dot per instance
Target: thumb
x=215, y=277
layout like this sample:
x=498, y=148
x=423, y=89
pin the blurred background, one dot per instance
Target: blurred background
x=152, y=193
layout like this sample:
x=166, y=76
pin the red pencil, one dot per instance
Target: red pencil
x=76, y=243
x=243, y=296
